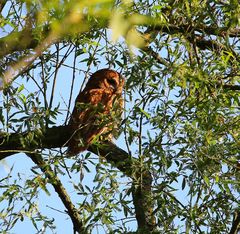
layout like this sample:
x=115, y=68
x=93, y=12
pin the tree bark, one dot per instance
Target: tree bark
x=57, y=137
x=60, y=190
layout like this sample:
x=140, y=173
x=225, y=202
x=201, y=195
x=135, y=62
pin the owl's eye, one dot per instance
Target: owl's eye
x=112, y=83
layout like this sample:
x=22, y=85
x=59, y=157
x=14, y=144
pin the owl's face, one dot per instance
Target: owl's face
x=108, y=80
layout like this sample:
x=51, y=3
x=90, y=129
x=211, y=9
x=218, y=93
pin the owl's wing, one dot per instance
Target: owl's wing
x=86, y=120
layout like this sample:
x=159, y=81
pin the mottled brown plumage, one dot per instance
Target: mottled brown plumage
x=97, y=110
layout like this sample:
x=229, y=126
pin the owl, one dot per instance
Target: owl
x=97, y=111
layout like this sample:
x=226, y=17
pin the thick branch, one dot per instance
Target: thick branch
x=10, y=43
x=232, y=87
x=185, y=28
x=192, y=33
x=204, y=44
x=52, y=138
x=60, y=190
x=143, y=201
x=235, y=224
x=17, y=41
x=2, y=4
x=58, y=136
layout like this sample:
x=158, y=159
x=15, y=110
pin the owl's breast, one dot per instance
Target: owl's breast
x=96, y=96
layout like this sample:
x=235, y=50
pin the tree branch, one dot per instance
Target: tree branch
x=204, y=44
x=143, y=201
x=52, y=138
x=10, y=43
x=189, y=32
x=186, y=28
x=60, y=190
x=235, y=224
x=231, y=87
x=2, y=4
x=57, y=137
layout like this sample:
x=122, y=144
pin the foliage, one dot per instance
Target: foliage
x=181, y=119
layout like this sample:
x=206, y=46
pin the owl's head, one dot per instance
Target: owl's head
x=106, y=79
